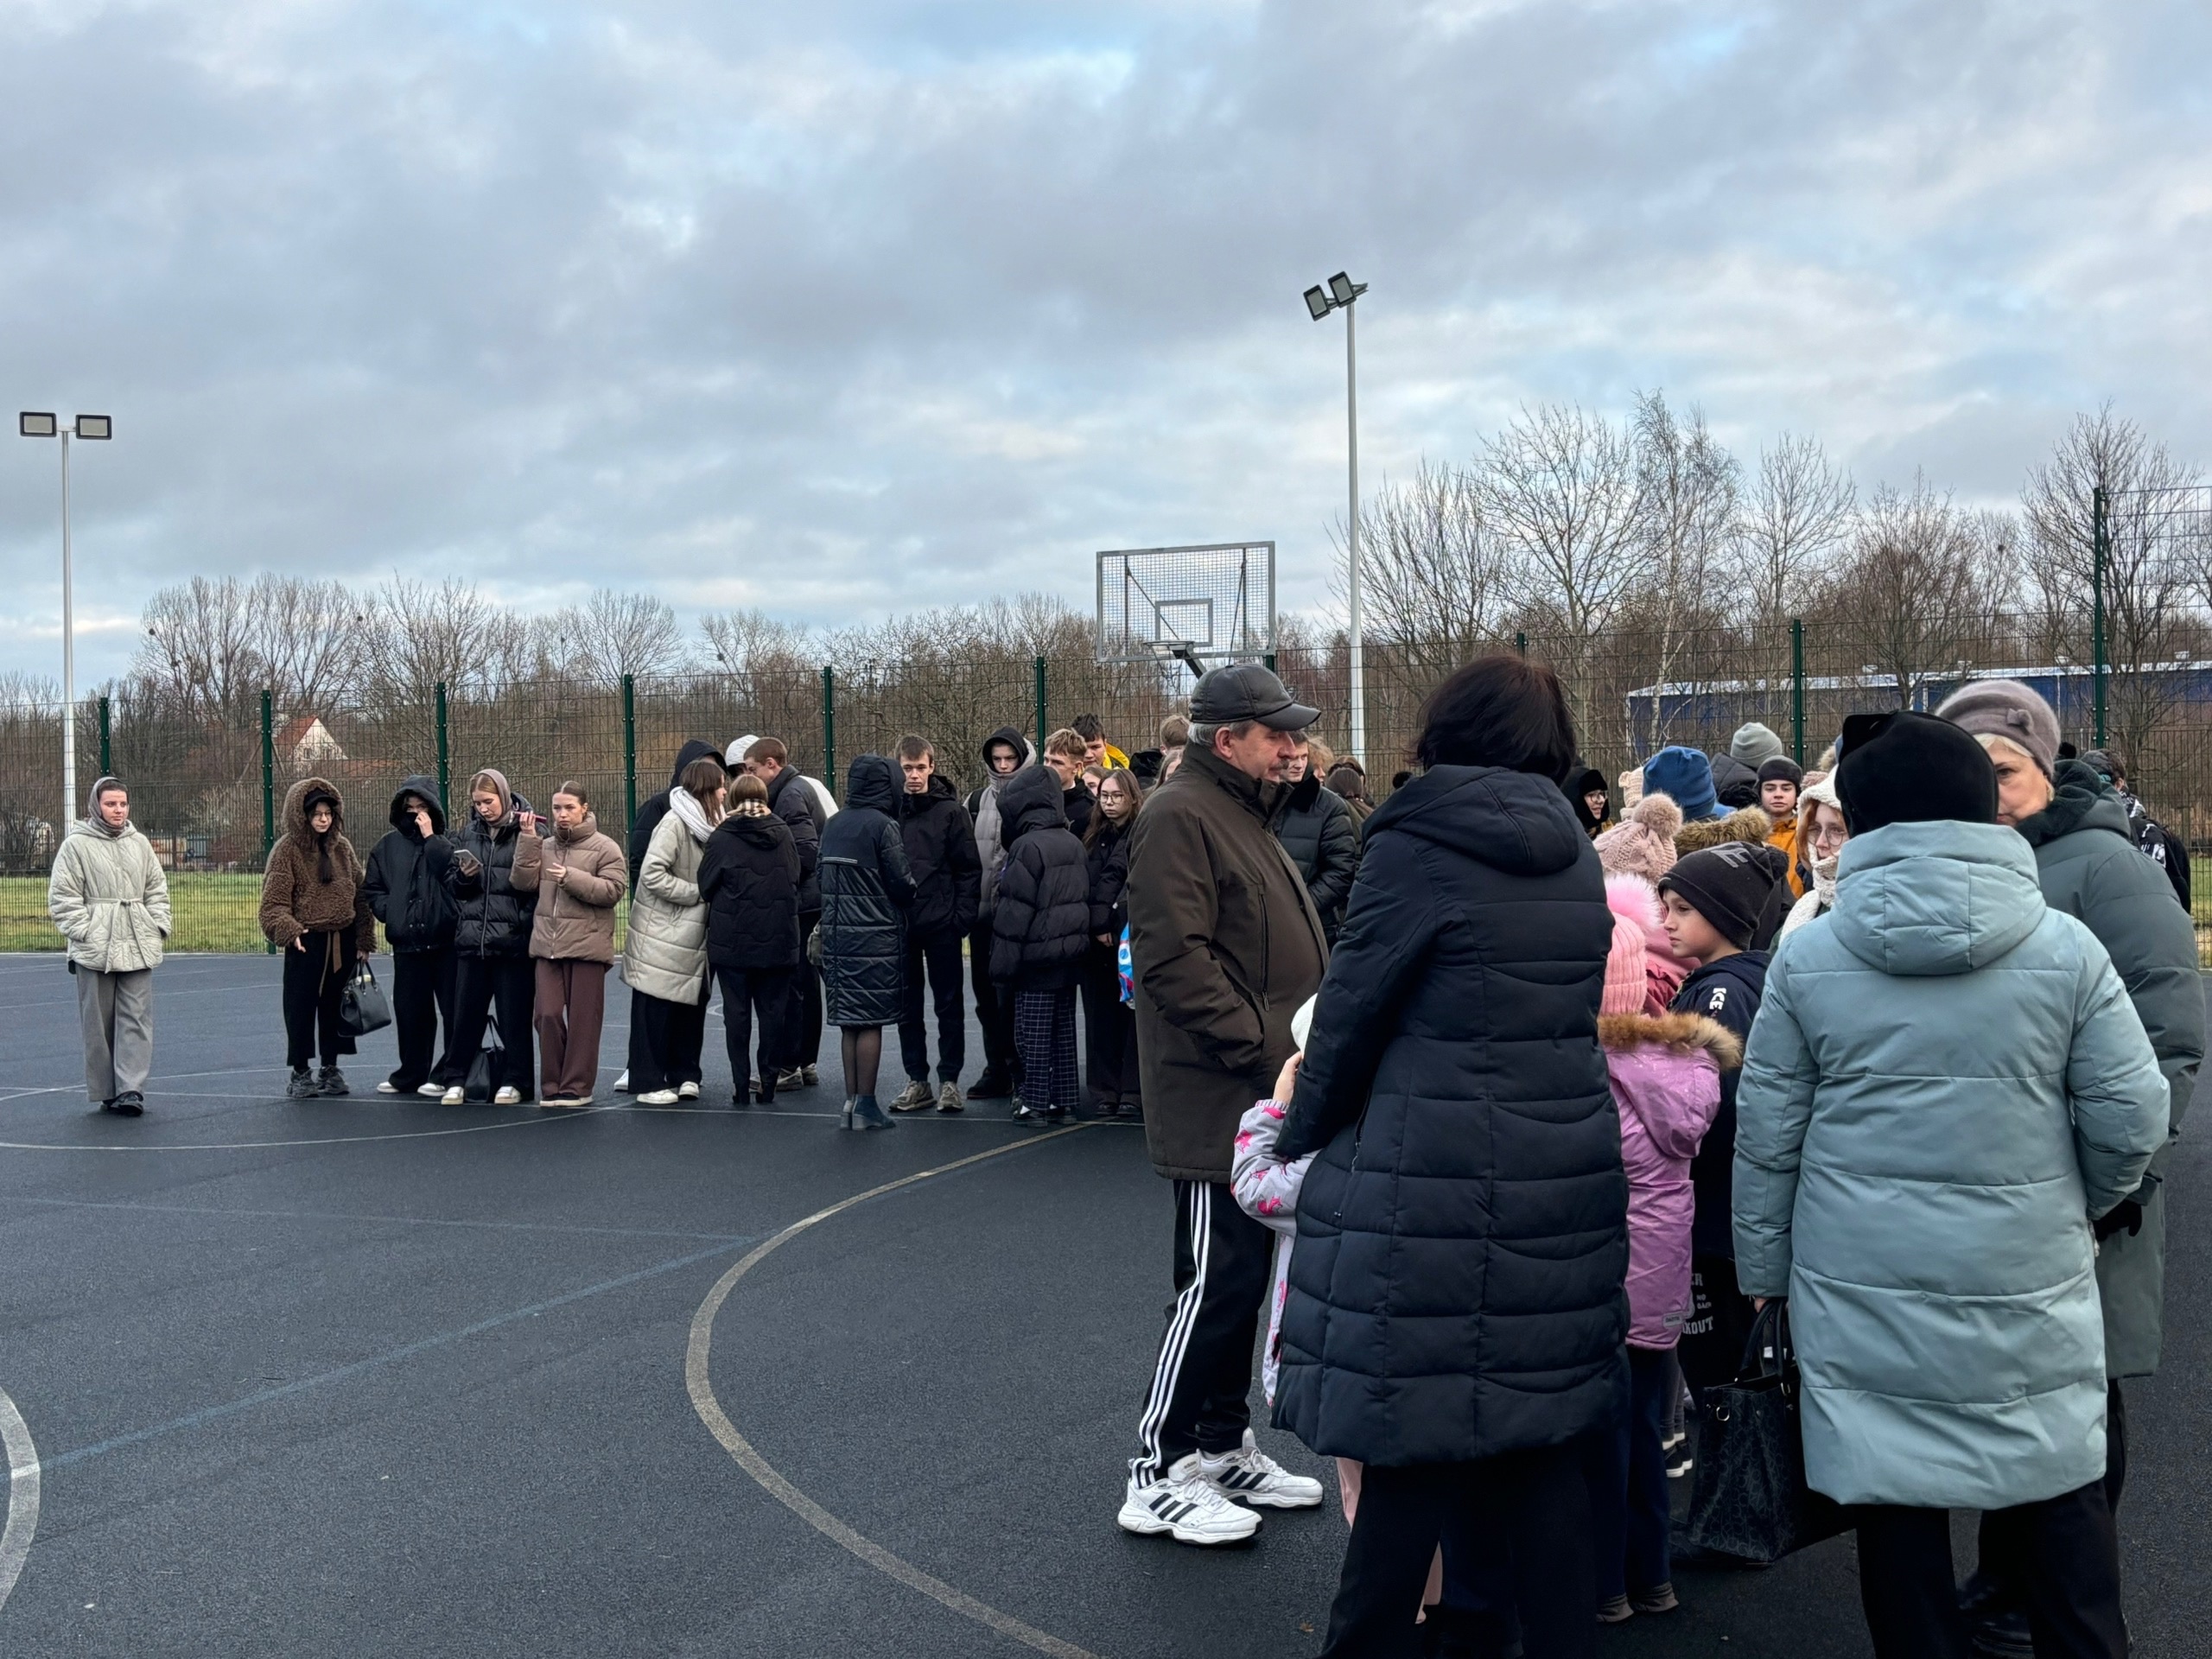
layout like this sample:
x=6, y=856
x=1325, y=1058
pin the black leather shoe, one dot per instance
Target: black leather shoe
x=129, y=1103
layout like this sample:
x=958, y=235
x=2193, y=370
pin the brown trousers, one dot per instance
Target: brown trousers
x=571, y=1004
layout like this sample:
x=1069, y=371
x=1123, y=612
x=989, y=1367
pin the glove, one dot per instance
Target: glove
x=2125, y=1215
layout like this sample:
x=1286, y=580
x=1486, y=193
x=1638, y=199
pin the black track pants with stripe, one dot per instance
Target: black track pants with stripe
x=1201, y=1388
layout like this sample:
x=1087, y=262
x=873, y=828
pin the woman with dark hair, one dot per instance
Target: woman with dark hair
x=664, y=957
x=867, y=887
x=1110, y=1024
x=314, y=910
x=1455, y=1313
x=1592, y=799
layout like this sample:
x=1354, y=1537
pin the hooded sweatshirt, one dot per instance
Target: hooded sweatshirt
x=983, y=807
x=406, y=881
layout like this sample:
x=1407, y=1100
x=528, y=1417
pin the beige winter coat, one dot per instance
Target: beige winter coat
x=665, y=954
x=110, y=899
x=575, y=917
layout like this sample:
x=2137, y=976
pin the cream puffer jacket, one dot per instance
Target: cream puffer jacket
x=666, y=954
x=110, y=899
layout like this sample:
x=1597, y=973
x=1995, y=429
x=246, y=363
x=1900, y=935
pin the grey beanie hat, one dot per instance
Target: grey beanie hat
x=1755, y=745
x=2008, y=709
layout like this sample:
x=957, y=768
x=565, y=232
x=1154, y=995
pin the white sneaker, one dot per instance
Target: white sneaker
x=454, y=1096
x=432, y=1091
x=1251, y=1475
x=658, y=1097
x=1186, y=1505
x=622, y=1084
x=385, y=1088
x=687, y=1091
x=508, y=1096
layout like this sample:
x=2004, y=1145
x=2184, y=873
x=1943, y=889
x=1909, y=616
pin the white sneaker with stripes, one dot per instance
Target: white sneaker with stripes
x=1250, y=1476
x=1186, y=1505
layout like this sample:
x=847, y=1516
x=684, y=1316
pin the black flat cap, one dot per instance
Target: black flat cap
x=1247, y=691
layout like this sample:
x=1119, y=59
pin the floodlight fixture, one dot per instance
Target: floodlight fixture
x=31, y=425
x=1317, y=302
x=1342, y=290
x=96, y=427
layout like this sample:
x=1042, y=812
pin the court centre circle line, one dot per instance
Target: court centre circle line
x=22, y=1495
x=698, y=1351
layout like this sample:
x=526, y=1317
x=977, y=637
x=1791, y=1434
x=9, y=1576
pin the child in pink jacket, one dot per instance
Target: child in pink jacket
x=1665, y=1070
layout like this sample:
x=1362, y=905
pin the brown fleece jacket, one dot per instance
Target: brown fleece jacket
x=295, y=900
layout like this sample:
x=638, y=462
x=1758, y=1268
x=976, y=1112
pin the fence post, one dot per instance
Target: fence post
x=268, y=783
x=629, y=754
x=829, y=728
x=445, y=760
x=2099, y=546
x=1521, y=643
x=1042, y=730
x=1797, y=690
x=107, y=761
x=1269, y=659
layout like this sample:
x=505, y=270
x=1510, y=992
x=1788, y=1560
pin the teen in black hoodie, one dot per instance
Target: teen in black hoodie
x=406, y=886
x=1039, y=932
x=940, y=841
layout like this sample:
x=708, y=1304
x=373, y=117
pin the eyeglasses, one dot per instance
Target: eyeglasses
x=1828, y=837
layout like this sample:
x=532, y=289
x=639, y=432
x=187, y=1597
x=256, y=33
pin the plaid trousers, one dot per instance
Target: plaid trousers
x=1043, y=1034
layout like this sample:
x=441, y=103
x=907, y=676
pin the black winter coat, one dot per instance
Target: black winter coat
x=1456, y=1291
x=1106, y=862
x=790, y=799
x=1319, y=832
x=940, y=841
x=1726, y=992
x=1042, y=922
x=749, y=876
x=866, y=889
x=405, y=883
x=654, y=808
x=495, y=918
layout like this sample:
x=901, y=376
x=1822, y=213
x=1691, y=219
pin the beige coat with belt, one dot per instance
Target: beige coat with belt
x=110, y=899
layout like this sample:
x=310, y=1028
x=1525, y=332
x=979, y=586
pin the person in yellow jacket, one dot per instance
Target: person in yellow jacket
x=1097, y=751
x=1780, y=780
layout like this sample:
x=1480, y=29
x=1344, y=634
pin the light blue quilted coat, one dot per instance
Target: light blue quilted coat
x=1945, y=1082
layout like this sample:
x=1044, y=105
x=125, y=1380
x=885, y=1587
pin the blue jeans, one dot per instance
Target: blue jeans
x=1627, y=1469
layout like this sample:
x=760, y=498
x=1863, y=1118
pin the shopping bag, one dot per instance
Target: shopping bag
x=483, y=1079
x=362, y=1006
x=1750, y=1499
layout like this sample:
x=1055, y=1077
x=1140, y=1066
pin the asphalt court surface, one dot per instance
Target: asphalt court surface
x=376, y=1375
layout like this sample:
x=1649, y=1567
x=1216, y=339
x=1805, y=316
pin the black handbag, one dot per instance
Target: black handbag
x=483, y=1080
x=362, y=1005
x=1750, y=1499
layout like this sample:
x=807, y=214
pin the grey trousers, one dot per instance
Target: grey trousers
x=118, y=1010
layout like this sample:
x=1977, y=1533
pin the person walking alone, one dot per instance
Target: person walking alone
x=1224, y=945
x=1110, y=1025
x=665, y=956
x=749, y=876
x=580, y=876
x=940, y=842
x=868, y=888
x=407, y=891
x=494, y=879
x=107, y=895
x=314, y=910
x=1005, y=752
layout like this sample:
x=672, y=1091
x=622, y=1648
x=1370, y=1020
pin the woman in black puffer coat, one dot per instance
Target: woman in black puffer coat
x=1040, y=931
x=1455, y=1313
x=491, y=938
x=866, y=889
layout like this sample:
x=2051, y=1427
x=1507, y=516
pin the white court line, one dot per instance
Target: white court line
x=22, y=1495
x=326, y=1141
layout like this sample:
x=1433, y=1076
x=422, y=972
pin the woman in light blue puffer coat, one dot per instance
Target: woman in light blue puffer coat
x=1945, y=1084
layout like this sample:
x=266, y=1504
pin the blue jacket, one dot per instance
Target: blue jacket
x=1945, y=1083
x=1456, y=1290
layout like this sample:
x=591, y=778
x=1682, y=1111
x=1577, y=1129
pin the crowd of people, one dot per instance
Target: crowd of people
x=1513, y=1104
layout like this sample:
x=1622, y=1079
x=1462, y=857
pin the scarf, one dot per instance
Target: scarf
x=1824, y=870
x=99, y=822
x=683, y=804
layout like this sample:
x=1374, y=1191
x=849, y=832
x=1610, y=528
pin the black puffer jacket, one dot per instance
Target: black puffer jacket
x=494, y=918
x=1042, y=921
x=866, y=889
x=406, y=881
x=1456, y=1289
x=1318, y=830
x=654, y=808
x=940, y=841
x=749, y=877
x=1735, y=784
x=1106, y=860
x=790, y=799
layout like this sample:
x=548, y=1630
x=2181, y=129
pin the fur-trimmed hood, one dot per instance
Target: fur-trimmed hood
x=1749, y=823
x=1682, y=1034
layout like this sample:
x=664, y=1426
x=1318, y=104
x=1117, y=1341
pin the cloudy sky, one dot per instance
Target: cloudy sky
x=846, y=307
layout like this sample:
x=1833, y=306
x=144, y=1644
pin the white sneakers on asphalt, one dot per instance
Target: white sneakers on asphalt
x=508, y=1096
x=687, y=1090
x=1202, y=1498
x=656, y=1098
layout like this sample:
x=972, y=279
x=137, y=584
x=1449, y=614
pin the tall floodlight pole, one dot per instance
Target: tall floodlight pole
x=1338, y=295
x=90, y=427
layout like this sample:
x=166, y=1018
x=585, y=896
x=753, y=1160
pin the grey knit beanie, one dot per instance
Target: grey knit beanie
x=1755, y=745
x=2008, y=709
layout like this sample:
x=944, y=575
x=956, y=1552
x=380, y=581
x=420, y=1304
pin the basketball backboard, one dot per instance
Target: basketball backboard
x=1199, y=606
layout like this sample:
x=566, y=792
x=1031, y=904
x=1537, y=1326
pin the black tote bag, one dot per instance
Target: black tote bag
x=362, y=1006
x=483, y=1081
x=1750, y=1499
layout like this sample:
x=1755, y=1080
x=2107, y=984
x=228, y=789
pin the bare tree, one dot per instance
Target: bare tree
x=1686, y=512
x=611, y=634
x=743, y=640
x=424, y=635
x=1434, y=573
x=1915, y=592
x=200, y=654
x=1798, y=512
x=308, y=635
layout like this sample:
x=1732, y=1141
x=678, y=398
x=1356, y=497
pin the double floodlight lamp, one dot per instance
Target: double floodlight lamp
x=1340, y=291
x=30, y=425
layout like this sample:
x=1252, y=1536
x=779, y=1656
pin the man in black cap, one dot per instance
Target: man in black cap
x=1224, y=945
